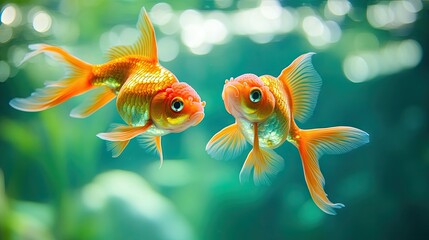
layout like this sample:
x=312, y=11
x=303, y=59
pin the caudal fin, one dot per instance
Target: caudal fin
x=312, y=144
x=56, y=92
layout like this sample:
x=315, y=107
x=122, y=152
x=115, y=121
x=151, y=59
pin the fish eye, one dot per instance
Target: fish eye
x=255, y=95
x=177, y=105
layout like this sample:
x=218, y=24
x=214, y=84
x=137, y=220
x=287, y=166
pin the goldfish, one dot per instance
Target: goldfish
x=149, y=98
x=265, y=109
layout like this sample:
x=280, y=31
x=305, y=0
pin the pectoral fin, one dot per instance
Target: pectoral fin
x=120, y=135
x=123, y=132
x=227, y=144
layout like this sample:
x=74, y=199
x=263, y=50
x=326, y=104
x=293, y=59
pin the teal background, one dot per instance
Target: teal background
x=57, y=181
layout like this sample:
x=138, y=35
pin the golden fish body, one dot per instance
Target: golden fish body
x=274, y=131
x=150, y=99
x=265, y=109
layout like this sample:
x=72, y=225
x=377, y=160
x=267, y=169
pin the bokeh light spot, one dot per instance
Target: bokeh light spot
x=193, y=35
x=392, y=58
x=4, y=71
x=339, y=7
x=271, y=9
x=312, y=26
x=190, y=17
x=8, y=14
x=42, y=21
x=334, y=31
x=168, y=49
x=161, y=13
x=128, y=36
x=5, y=33
x=393, y=14
x=262, y=38
x=379, y=15
x=402, y=12
x=216, y=31
x=356, y=69
x=202, y=49
x=223, y=3
x=15, y=54
x=409, y=53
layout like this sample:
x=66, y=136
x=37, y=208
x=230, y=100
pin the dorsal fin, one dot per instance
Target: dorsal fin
x=145, y=44
x=302, y=83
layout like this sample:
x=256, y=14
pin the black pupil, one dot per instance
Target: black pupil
x=177, y=105
x=256, y=95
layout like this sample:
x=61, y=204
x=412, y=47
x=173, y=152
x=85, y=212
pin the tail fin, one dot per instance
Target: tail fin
x=312, y=144
x=57, y=92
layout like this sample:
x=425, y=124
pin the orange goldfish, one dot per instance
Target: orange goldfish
x=265, y=109
x=150, y=99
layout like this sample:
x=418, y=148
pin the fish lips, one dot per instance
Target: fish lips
x=196, y=118
x=231, y=98
x=193, y=120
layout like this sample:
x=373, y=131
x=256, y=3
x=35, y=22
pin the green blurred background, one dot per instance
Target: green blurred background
x=57, y=181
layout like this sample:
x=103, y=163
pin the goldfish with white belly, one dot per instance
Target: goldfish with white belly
x=265, y=109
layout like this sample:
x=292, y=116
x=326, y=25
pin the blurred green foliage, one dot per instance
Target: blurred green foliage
x=58, y=181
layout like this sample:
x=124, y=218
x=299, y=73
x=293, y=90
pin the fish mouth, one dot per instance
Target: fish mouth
x=193, y=120
x=230, y=97
x=196, y=118
x=230, y=91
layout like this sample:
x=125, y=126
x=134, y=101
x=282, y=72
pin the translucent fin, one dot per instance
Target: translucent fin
x=58, y=54
x=226, y=144
x=117, y=147
x=312, y=144
x=36, y=49
x=152, y=143
x=302, y=83
x=55, y=93
x=123, y=132
x=265, y=162
x=145, y=45
x=100, y=97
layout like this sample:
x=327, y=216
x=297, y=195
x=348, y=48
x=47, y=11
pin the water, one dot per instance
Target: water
x=59, y=182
